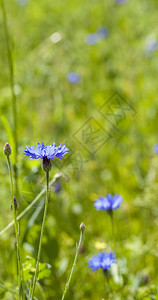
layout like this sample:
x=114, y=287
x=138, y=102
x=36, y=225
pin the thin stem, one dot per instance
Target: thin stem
x=40, y=242
x=12, y=76
x=30, y=291
x=112, y=220
x=33, y=202
x=16, y=233
x=73, y=266
x=4, y=287
x=108, y=287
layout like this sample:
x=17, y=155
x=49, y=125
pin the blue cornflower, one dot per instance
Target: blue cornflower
x=57, y=187
x=92, y=39
x=46, y=153
x=73, y=77
x=22, y=2
x=108, y=202
x=156, y=148
x=103, y=32
x=152, y=45
x=41, y=151
x=120, y=1
x=102, y=260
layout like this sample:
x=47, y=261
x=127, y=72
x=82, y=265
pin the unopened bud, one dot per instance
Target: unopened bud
x=46, y=164
x=15, y=204
x=7, y=149
x=82, y=226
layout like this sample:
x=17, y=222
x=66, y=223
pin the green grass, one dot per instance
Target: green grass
x=51, y=109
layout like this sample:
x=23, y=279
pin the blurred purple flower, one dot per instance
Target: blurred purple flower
x=57, y=187
x=121, y=1
x=73, y=77
x=108, y=202
x=102, y=260
x=92, y=39
x=152, y=45
x=156, y=148
x=102, y=32
x=22, y=2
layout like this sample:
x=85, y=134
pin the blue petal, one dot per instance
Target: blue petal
x=156, y=148
x=117, y=201
x=108, y=202
x=102, y=260
x=41, y=151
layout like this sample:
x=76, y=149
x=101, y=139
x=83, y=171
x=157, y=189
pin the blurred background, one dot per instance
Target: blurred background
x=86, y=74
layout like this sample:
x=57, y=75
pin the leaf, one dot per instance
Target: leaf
x=44, y=270
x=44, y=274
x=29, y=269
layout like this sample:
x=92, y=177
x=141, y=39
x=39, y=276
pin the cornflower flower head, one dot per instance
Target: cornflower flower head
x=73, y=77
x=102, y=260
x=103, y=32
x=152, y=45
x=46, y=153
x=92, y=39
x=22, y=2
x=57, y=187
x=156, y=148
x=108, y=202
x=121, y=1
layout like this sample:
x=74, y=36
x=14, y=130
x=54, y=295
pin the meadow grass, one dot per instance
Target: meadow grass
x=50, y=41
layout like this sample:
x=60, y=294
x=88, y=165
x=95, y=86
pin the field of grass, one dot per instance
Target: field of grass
x=85, y=74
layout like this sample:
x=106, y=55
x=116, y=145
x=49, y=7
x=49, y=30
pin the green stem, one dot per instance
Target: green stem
x=16, y=233
x=40, y=242
x=30, y=291
x=112, y=220
x=33, y=202
x=73, y=266
x=11, y=73
x=107, y=290
x=4, y=287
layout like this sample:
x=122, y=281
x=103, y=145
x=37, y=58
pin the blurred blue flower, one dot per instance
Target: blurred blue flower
x=22, y=2
x=73, y=77
x=102, y=32
x=152, y=45
x=48, y=152
x=120, y=1
x=92, y=39
x=57, y=187
x=108, y=202
x=156, y=148
x=102, y=260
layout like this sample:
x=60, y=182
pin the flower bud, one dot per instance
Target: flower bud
x=46, y=164
x=15, y=204
x=7, y=149
x=82, y=226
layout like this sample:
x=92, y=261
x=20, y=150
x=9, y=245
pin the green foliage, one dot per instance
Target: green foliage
x=48, y=39
x=29, y=269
